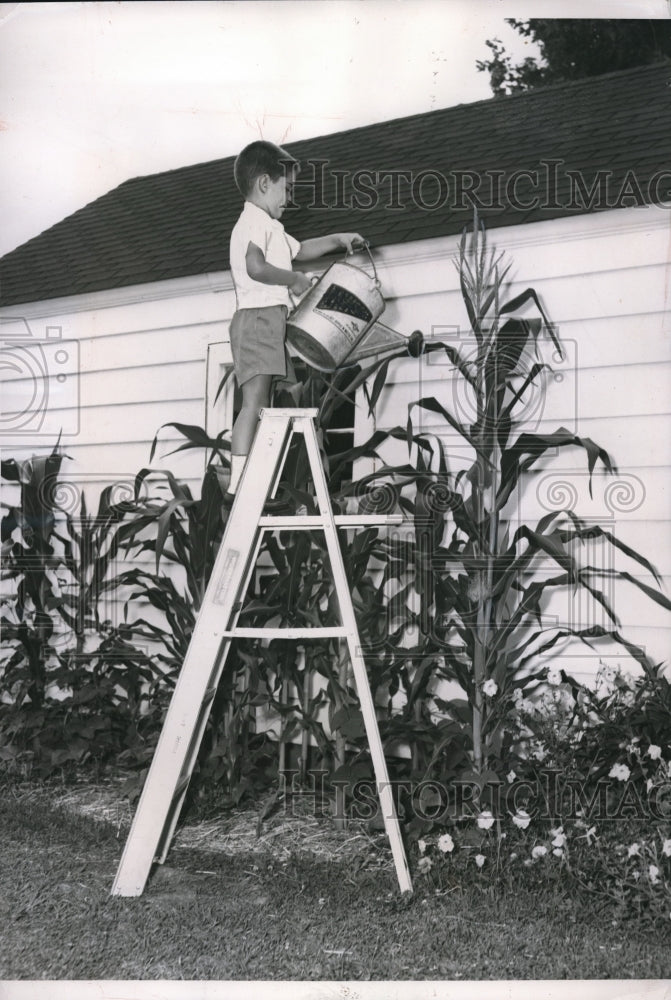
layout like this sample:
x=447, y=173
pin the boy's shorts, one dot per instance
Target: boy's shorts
x=258, y=344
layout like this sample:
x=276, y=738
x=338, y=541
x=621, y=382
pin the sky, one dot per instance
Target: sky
x=92, y=94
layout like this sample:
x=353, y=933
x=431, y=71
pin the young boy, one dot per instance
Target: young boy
x=261, y=266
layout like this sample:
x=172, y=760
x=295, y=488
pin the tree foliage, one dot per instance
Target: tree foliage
x=573, y=49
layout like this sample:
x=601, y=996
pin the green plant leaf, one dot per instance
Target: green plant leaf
x=432, y=404
x=528, y=448
x=527, y=295
x=196, y=438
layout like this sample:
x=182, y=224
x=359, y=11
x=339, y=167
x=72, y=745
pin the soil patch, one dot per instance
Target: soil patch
x=290, y=827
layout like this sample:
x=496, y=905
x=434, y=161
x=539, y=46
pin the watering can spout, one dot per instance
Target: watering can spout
x=381, y=339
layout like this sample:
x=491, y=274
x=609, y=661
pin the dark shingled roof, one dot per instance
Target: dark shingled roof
x=178, y=223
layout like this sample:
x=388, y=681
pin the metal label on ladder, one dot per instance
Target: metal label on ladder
x=221, y=592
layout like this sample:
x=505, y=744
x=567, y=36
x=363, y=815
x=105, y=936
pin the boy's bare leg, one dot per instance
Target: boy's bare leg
x=255, y=395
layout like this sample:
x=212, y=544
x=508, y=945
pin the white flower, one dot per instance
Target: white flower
x=518, y=697
x=653, y=874
x=633, y=850
x=424, y=865
x=445, y=843
x=654, y=752
x=619, y=771
x=540, y=753
x=480, y=860
x=539, y=851
x=557, y=851
x=554, y=676
x=490, y=688
x=649, y=784
x=560, y=839
x=510, y=777
x=485, y=820
x=522, y=819
x=421, y=844
x=666, y=848
x=590, y=835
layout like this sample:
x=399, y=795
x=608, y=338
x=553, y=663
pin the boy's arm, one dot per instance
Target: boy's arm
x=321, y=245
x=260, y=270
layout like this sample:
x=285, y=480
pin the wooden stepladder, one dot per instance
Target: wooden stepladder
x=216, y=626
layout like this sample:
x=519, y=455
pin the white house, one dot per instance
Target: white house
x=125, y=304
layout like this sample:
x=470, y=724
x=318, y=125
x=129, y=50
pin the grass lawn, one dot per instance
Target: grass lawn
x=209, y=915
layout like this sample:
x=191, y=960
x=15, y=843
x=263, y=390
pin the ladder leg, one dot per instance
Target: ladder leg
x=186, y=772
x=172, y=765
x=385, y=793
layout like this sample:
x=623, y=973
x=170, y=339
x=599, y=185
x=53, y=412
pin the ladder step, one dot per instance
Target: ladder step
x=330, y=632
x=317, y=521
x=277, y=413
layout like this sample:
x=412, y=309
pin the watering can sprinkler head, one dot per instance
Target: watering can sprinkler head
x=416, y=344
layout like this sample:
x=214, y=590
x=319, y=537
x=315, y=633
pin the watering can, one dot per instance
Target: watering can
x=335, y=325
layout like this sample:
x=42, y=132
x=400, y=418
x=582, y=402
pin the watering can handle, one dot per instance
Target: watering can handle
x=366, y=246
x=314, y=278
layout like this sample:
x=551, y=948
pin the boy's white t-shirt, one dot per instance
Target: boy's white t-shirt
x=278, y=248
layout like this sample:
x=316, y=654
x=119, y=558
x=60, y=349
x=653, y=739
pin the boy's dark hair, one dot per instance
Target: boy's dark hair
x=260, y=158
